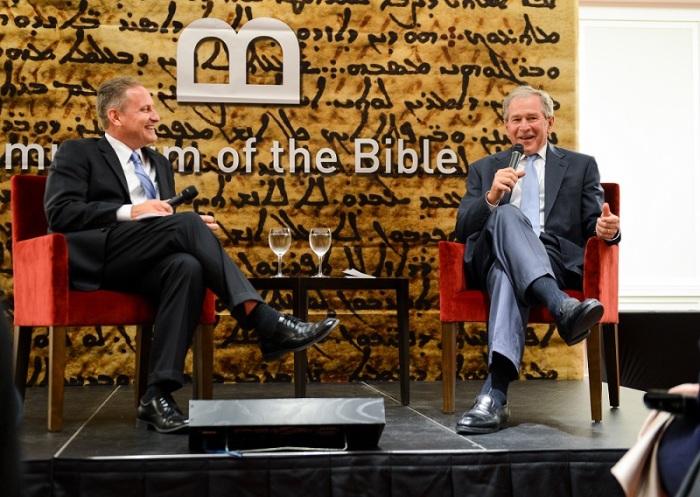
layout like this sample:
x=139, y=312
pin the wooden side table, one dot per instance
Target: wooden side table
x=300, y=286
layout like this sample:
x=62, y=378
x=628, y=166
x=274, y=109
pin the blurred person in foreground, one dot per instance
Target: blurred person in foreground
x=10, y=416
x=664, y=461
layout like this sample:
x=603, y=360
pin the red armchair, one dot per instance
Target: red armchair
x=43, y=298
x=459, y=304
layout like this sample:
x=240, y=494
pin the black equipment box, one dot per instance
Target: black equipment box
x=222, y=426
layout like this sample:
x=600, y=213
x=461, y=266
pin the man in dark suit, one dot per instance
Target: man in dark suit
x=525, y=240
x=107, y=196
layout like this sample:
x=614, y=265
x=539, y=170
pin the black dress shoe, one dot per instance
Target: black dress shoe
x=161, y=414
x=577, y=318
x=484, y=417
x=292, y=335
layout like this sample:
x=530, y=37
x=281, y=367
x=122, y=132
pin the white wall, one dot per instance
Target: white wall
x=639, y=114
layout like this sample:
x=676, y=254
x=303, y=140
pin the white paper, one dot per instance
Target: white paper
x=354, y=273
x=149, y=215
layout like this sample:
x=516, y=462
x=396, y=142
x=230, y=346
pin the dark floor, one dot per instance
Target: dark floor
x=546, y=415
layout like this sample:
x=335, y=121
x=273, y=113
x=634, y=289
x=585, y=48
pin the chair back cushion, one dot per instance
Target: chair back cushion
x=27, y=206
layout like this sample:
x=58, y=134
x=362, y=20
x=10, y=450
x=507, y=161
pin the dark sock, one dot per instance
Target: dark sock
x=501, y=373
x=546, y=291
x=150, y=394
x=499, y=396
x=159, y=388
x=264, y=319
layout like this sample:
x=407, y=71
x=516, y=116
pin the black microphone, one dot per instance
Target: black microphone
x=675, y=403
x=516, y=155
x=187, y=194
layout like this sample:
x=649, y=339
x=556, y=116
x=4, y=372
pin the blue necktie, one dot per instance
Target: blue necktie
x=530, y=199
x=143, y=177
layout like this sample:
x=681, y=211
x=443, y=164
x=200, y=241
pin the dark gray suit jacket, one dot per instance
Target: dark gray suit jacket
x=573, y=202
x=85, y=187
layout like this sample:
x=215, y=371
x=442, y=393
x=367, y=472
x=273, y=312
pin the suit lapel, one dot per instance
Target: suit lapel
x=554, y=171
x=113, y=161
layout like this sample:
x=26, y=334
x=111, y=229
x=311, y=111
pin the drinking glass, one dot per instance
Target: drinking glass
x=320, y=241
x=280, y=240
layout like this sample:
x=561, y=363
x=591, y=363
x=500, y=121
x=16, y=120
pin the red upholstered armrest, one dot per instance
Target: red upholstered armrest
x=41, y=284
x=451, y=275
x=600, y=276
x=40, y=277
x=457, y=302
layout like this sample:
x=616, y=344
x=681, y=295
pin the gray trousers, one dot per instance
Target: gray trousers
x=507, y=257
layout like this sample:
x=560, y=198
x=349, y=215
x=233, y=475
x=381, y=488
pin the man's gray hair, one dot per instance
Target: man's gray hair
x=527, y=91
x=112, y=95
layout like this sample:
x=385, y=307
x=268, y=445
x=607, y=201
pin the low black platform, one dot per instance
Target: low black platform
x=551, y=448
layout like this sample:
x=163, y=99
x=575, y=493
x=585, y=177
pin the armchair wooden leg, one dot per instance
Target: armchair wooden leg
x=57, y=363
x=612, y=362
x=449, y=366
x=202, y=362
x=144, y=337
x=595, y=376
x=22, y=342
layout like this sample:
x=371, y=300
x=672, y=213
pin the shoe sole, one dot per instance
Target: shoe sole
x=479, y=431
x=273, y=356
x=147, y=425
x=583, y=326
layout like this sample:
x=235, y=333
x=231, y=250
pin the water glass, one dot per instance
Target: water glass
x=280, y=239
x=320, y=241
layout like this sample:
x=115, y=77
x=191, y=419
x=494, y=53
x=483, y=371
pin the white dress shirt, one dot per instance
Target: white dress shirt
x=136, y=192
x=539, y=164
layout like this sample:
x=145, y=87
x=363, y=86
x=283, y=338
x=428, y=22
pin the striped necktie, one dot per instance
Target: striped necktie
x=145, y=180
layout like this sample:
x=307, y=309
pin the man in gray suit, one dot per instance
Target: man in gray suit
x=525, y=223
x=107, y=195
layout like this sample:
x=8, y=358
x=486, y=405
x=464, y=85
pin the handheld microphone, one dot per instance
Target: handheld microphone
x=675, y=403
x=516, y=155
x=187, y=194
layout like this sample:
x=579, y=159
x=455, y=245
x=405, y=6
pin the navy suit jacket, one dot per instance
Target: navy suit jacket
x=85, y=187
x=573, y=200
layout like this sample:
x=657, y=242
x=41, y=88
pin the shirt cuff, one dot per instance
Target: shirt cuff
x=124, y=213
x=491, y=206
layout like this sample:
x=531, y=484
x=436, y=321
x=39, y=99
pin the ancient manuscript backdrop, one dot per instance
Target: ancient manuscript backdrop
x=431, y=74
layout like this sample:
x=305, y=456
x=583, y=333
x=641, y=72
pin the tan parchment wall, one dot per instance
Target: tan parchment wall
x=432, y=74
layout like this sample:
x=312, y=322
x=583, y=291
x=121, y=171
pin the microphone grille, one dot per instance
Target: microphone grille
x=190, y=192
x=518, y=148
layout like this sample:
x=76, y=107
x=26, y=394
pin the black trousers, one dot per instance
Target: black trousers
x=172, y=260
